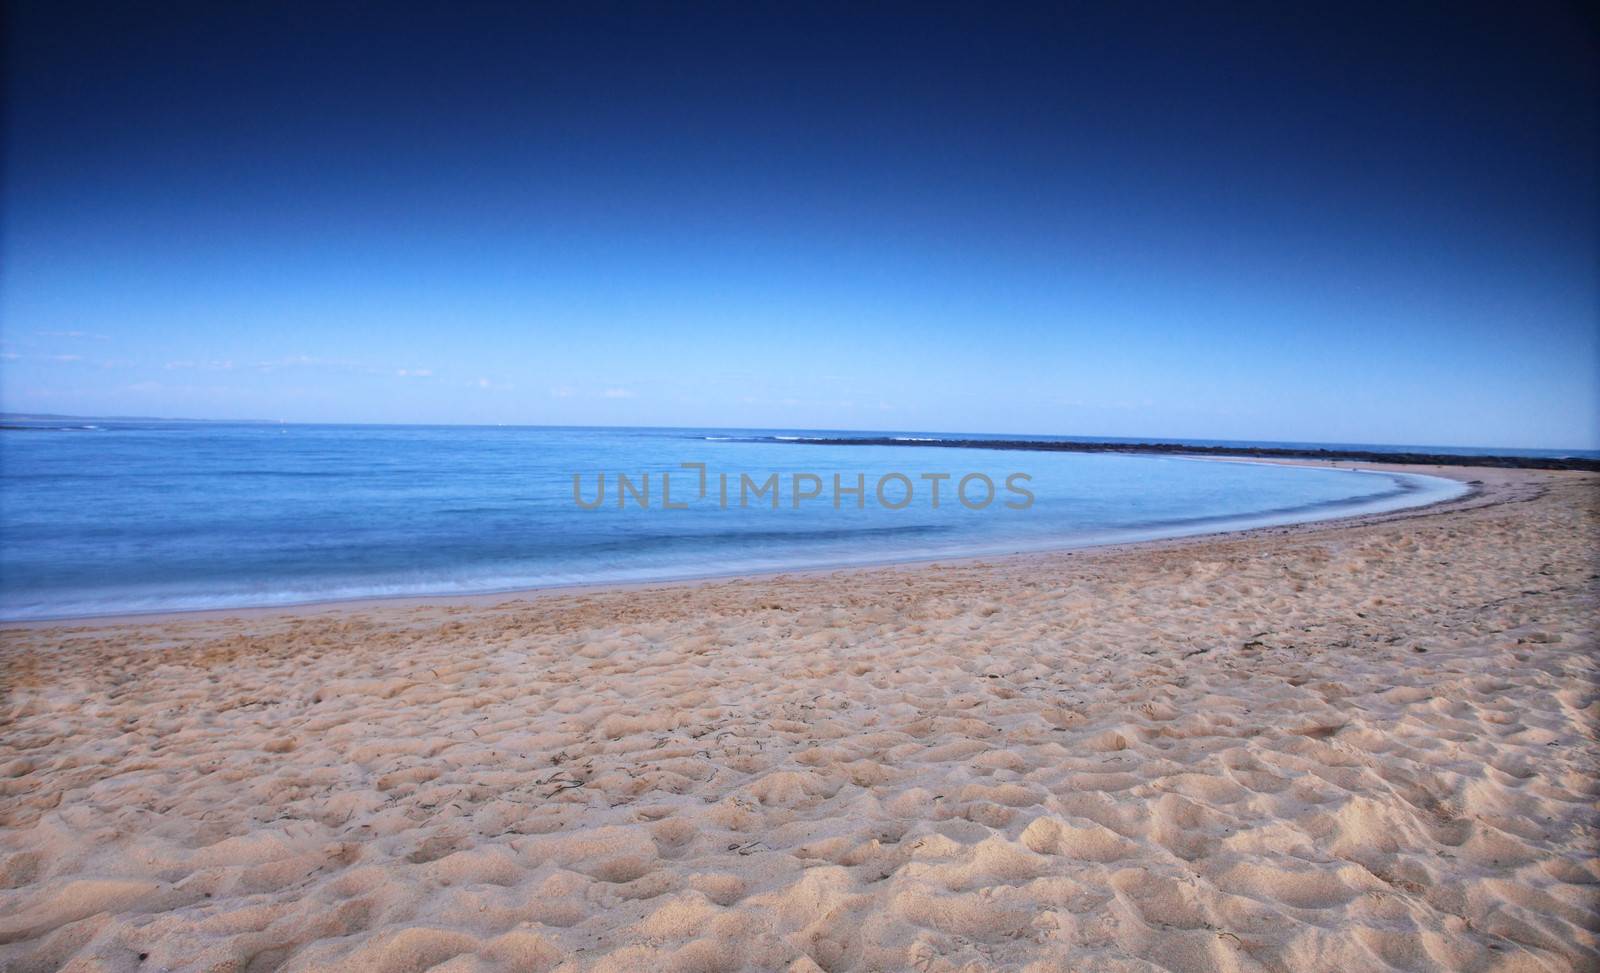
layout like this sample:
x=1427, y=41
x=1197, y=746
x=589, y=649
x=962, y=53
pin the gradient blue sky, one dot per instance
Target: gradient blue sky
x=1363, y=224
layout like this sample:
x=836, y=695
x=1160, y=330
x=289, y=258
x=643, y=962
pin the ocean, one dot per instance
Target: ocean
x=109, y=517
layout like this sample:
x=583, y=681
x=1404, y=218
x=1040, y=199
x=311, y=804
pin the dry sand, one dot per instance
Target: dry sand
x=1356, y=747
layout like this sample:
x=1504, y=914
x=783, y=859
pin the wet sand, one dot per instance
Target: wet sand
x=1358, y=746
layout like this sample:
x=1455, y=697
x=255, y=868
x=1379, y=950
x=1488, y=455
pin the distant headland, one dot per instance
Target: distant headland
x=1181, y=449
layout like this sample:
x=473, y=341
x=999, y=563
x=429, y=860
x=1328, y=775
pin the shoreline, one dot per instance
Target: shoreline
x=316, y=606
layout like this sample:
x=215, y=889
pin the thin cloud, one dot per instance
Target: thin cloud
x=290, y=361
x=311, y=361
x=13, y=356
x=224, y=365
x=335, y=365
x=72, y=334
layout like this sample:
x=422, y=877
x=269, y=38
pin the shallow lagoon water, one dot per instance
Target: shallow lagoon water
x=117, y=517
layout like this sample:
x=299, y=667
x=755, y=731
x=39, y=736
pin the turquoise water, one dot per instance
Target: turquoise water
x=106, y=517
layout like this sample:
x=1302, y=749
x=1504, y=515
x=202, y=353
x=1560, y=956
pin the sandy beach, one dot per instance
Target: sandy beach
x=1366, y=745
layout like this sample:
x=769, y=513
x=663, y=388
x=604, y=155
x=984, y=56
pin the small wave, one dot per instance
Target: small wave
x=39, y=427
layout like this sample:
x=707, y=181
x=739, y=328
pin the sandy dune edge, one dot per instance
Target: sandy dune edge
x=1367, y=747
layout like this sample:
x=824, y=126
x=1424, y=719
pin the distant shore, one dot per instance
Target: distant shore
x=1262, y=452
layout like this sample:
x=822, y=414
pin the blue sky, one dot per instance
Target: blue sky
x=1363, y=225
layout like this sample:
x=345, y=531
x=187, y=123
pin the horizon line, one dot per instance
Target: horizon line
x=6, y=416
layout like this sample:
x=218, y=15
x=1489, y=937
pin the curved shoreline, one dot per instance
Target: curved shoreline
x=1245, y=527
